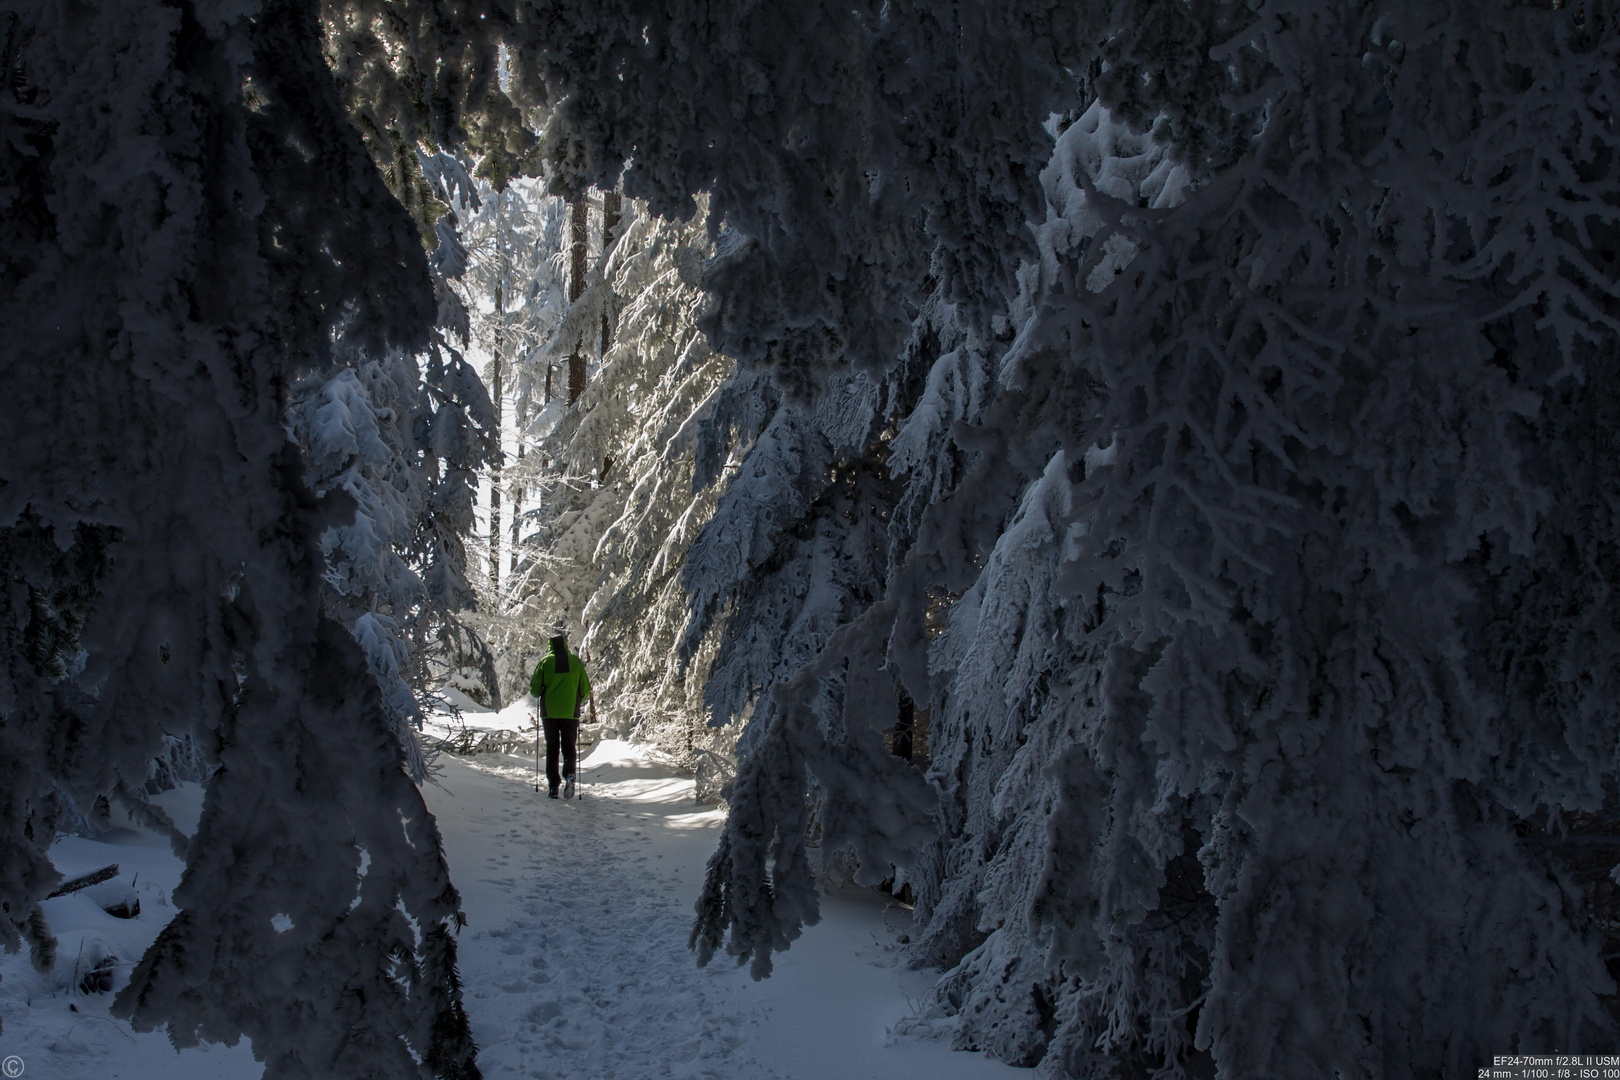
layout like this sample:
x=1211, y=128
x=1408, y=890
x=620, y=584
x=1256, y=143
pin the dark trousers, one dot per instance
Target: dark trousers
x=564, y=735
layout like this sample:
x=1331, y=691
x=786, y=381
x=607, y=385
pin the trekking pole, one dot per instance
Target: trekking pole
x=537, y=750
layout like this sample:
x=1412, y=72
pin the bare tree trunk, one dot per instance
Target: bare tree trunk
x=576, y=376
x=495, y=463
x=612, y=203
x=497, y=377
x=576, y=286
x=905, y=726
x=517, y=505
x=580, y=224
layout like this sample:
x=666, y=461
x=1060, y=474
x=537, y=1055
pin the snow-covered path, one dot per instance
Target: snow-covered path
x=574, y=959
x=576, y=963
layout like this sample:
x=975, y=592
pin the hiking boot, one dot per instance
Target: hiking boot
x=568, y=786
x=552, y=794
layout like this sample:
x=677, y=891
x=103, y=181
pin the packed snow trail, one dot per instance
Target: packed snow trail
x=575, y=959
x=574, y=963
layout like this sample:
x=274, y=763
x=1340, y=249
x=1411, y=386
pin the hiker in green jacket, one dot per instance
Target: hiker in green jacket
x=557, y=688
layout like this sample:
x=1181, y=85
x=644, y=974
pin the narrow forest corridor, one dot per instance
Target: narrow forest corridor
x=575, y=963
x=1136, y=481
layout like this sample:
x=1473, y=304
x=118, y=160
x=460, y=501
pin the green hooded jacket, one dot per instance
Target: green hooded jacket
x=561, y=693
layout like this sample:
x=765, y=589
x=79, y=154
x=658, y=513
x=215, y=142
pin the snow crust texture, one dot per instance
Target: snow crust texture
x=575, y=951
x=581, y=967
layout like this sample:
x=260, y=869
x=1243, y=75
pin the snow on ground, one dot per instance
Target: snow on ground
x=55, y=1030
x=473, y=729
x=575, y=963
x=575, y=957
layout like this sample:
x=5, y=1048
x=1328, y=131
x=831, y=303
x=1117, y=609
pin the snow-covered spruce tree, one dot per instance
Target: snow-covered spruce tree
x=825, y=510
x=1287, y=717
x=403, y=443
x=190, y=224
x=798, y=548
x=830, y=160
x=990, y=539
x=1296, y=627
x=404, y=437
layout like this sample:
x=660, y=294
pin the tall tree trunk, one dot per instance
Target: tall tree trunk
x=904, y=727
x=612, y=203
x=576, y=287
x=517, y=504
x=495, y=462
x=496, y=376
x=579, y=222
